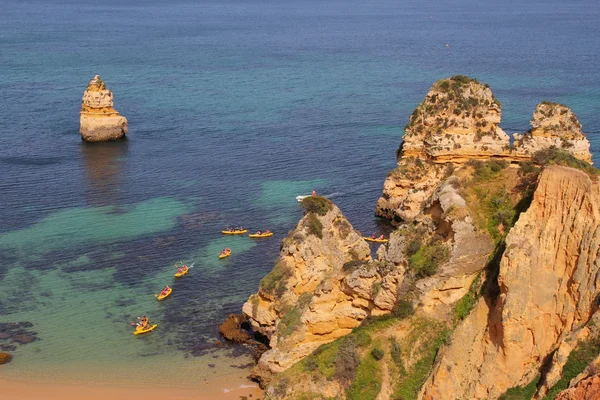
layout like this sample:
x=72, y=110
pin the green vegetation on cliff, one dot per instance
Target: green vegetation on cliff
x=556, y=156
x=317, y=204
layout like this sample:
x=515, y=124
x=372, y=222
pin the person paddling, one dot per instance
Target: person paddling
x=314, y=193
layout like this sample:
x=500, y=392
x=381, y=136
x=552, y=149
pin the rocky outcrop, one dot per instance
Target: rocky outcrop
x=549, y=282
x=586, y=389
x=99, y=121
x=470, y=249
x=323, y=285
x=456, y=122
x=407, y=188
x=553, y=124
x=5, y=358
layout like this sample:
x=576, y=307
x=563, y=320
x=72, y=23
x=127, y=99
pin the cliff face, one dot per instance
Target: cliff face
x=323, y=285
x=548, y=283
x=457, y=121
x=99, y=121
x=556, y=125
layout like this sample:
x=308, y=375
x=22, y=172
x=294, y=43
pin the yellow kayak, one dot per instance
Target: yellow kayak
x=234, y=232
x=225, y=255
x=368, y=239
x=180, y=274
x=260, y=235
x=140, y=331
x=160, y=297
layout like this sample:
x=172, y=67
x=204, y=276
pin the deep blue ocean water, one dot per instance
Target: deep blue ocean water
x=234, y=108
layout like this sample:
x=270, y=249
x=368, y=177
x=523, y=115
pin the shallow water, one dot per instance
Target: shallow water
x=234, y=109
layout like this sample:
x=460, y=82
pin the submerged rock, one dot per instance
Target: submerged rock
x=5, y=358
x=99, y=121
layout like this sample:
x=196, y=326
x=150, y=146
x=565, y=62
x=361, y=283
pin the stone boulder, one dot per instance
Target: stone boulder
x=99, y=121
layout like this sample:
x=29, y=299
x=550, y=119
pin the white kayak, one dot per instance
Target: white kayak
x=300, y=198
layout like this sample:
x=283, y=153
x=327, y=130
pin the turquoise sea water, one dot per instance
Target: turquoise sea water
x=234, y=109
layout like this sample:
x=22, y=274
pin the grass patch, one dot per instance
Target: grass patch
x=289, y=323
x=521, y=393
x=367, y=382
x=396, y=355
x=426, y=261
x=463, y=307
x=275, y=281
x=578, y=360
x=315, y=227
x=424, y=341
x=323, y=359
x=493, y=197
x=317, y=204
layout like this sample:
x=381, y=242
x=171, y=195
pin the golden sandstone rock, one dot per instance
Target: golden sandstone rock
x=99, y=121
x=458, y=121
x=548, y=282
x=320, y=289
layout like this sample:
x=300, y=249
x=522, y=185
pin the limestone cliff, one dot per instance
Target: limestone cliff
x=457, y=121
x=99, y=121
x=407, y=188
x=553, y=124
x=323, y=285
x=548, y=288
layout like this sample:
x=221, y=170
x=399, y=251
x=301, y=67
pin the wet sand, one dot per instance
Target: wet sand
x=222, y=388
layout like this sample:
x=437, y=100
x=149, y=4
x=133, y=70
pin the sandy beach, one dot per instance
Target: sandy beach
x=222, y=388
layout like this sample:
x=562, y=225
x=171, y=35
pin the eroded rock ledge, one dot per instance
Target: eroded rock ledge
x=99, y=121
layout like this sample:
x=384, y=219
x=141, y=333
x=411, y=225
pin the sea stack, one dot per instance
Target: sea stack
x=99, y=121
x=553, y=124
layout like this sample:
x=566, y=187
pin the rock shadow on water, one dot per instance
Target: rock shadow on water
x=103, y=165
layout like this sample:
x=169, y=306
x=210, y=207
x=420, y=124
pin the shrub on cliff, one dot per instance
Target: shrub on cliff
x=346, y=361
x=554, y=155
x=315, y=227
x=317, y=204
x=275, y=281
x=426, y=261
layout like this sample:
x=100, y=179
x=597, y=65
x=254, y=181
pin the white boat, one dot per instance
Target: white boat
x=300, y=198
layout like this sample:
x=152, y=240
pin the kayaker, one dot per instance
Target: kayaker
x=373, y=236
x=314, y=193
x=258, y=232
x=381, y=237
x=267, y=231
x=165, y=291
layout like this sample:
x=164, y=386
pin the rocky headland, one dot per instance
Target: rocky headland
x=99, y=121
x=488, y=288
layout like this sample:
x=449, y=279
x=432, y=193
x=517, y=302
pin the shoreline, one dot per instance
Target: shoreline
x=226, y=387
